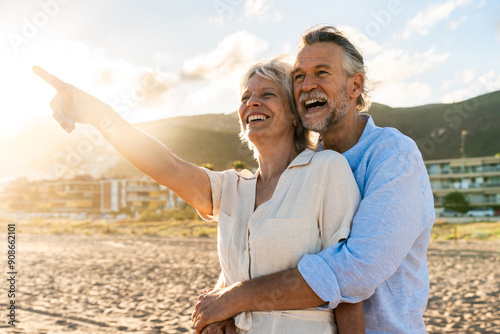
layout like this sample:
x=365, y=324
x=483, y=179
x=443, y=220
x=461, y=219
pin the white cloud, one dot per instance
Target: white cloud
x=393, y=70
x=498, y=31
x=433, y=14
x=363, y=43
x=453, y=25
x=463, y=77
x=234, y=53
x=212, y=79
x=402, y=94
x=261, y=10
x=155, y=85
x=397, y=64
x=216, y=20
x=486, y=83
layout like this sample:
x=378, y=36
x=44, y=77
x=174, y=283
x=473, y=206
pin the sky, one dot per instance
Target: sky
x=153, y=59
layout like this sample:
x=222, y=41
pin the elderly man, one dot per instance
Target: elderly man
x=383, y=263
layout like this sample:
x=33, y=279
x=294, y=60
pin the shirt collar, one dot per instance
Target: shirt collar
x=370, y=127
x=246, y=174
x=302, y=159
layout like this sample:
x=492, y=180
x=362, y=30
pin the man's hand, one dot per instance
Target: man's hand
x=210, y=308
x=224, y=327
x=72, y=105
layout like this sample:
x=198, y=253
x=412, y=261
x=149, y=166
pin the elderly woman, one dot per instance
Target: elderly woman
x=298, y=202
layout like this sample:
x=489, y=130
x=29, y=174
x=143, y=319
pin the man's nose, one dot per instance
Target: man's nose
x=309, y=83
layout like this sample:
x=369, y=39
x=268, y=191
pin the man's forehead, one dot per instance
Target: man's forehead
x=317, y=54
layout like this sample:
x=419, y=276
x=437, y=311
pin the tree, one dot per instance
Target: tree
x=456, y=201
x=239, y=165
x=208, y=166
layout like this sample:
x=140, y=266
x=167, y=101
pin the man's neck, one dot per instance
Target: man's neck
x=345, y=134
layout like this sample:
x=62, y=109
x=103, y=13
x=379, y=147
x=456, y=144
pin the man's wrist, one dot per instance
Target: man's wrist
x=234, y=298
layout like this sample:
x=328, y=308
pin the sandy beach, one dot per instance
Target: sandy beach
x=141, y=284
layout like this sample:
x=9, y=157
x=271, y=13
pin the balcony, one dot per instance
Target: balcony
x=458, y=186
x=142, y=188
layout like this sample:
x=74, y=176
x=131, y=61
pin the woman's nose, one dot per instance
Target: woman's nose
x=253, y=101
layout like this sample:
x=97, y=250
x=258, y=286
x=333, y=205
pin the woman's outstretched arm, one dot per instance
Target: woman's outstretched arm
x=72, y=105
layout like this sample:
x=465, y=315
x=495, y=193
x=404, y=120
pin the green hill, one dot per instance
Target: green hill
x=437, y=128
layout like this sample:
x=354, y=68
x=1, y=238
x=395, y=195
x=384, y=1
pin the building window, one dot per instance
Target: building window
x=433, y=169
x=476, y=198
x=492, y=168
x=445, y=169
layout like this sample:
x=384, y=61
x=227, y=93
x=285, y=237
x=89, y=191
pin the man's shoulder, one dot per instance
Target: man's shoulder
x=387, y=141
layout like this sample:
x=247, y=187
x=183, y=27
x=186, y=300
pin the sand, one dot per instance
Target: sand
x=116, y=284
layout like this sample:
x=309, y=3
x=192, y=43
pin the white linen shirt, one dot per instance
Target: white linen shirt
x=311, y=209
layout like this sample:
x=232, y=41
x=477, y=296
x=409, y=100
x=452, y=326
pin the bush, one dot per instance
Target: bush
x=183, y=213
x=456, y=201
x=150, y=216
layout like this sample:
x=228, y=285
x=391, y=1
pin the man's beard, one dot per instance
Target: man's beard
x=338, y=108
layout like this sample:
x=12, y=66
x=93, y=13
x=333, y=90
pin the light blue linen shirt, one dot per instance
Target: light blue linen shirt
x=384, y=261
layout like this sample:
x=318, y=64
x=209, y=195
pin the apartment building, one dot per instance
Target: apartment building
x=86, y=195
x=137, y=195
x=478, y=179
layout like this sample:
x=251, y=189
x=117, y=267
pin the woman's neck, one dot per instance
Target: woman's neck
x=274, y=160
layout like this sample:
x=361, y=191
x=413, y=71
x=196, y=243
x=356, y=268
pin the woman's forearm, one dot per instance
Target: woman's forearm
x=143, y=151
x=154, y=159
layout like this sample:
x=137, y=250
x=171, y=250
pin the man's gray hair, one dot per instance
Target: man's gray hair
x=279, y=71
x=353, y=60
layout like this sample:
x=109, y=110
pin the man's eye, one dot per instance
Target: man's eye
x=322, y=72
x=268, y=94
x=244, y=98
x=298, y=77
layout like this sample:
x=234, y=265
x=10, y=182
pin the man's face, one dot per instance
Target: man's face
x=320, y=86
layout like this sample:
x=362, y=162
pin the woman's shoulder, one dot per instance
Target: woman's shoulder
x=328, y=160
x=328, y=155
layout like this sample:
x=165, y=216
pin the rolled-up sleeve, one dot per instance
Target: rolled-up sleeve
x=390, y=218
x=339, y=203
x=216, y=182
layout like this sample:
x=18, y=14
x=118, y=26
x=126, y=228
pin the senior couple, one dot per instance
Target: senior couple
x=320, y=239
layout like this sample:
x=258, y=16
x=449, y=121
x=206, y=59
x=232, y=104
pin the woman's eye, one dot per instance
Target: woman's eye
x=322, y=72
x=244, y=98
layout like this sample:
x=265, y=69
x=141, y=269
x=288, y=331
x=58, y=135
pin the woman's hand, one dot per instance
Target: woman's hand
x=72, y=105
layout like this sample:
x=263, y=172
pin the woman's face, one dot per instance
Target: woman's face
x=264, y=111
